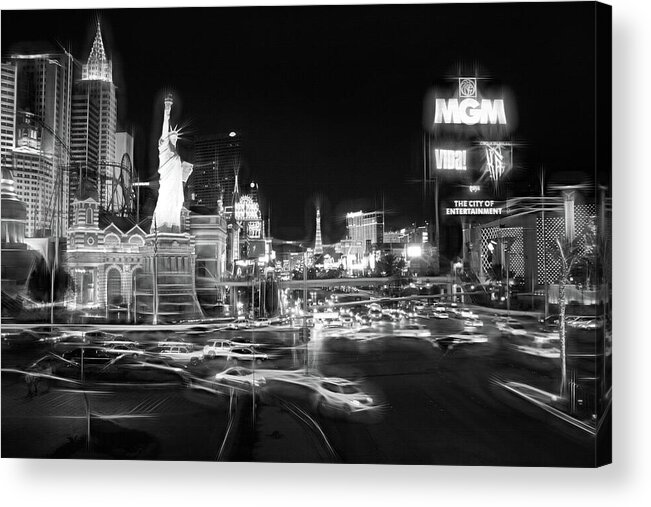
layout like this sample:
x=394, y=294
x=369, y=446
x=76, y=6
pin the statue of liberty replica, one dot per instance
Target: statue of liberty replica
x=165, y=290
x=174, y=173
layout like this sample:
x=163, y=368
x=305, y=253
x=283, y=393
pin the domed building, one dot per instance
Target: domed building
x=17, y=258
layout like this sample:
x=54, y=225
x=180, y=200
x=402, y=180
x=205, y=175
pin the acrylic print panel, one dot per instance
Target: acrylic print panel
x=352, y=234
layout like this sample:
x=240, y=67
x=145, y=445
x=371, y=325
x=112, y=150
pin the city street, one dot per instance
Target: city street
x=431, y=404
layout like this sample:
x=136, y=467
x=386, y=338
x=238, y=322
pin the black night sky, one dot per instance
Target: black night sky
x=330, y=99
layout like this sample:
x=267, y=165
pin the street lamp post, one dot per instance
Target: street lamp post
x=155, y=271
x=305, y=308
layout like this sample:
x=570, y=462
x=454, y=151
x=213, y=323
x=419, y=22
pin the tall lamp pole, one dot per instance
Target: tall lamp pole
x=305, y=308
x=155, y=270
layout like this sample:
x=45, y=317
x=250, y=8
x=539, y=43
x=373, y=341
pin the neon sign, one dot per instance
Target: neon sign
x=254, y=229
x=451, y=159
x=499, y=157
x=476, y=207
x=246, y=209
x=470, y=111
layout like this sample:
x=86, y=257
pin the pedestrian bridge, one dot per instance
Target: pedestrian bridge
x=339, y=282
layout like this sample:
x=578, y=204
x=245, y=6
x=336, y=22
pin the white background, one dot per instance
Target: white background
x=626, y=482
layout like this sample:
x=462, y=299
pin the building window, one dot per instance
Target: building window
x=89, y=216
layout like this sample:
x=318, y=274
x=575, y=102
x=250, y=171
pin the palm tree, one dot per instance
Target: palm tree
x=389, y=265
x=568, y=255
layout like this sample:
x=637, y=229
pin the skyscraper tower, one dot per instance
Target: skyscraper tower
x=217, y=159
x=8, y=110
x=97, y=83
x=318, y=246
x=41, y=156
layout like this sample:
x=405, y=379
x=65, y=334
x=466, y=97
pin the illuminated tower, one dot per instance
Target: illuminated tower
x=318, y=246
x=97, y=83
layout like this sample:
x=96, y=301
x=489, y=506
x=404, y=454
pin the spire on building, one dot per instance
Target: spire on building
x=99, y=67
x=318, y=246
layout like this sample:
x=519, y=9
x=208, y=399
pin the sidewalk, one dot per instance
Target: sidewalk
x=138, y=423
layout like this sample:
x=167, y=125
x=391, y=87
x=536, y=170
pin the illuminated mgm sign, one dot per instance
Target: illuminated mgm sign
x=467, y=109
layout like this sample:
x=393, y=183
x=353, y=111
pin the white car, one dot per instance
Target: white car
x=513, y=328
x=240, y=377
x=182, y=355
x=473, y=323
x=462, y=338
x=440, y=315
x=347, y=321
x=540, y=348
x=341, y=394
x=261, y=323
x=246, y=354
x=127, y=349
x=217, y=347
x=413, y=330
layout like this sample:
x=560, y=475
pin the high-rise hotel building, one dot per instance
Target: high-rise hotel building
x=367, y=228
x=8, y=112
x=217, y=160
x=40, y=156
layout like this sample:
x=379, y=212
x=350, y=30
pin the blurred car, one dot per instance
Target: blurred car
x=413, y=330
x=162, y=362
x=473, y=323
x=551, y=320
x=363, y=320
x=585, y=322
x=341, y=394
x=246, y=354
x=439, y=315
x=462, y=338
x=347, y=321
x=375, y=314
x=238, y=376
x=387, y=318
x=182, y=355
x=260, y=322
x=511, y=327
x=129, y=349
x=198, y=330
x=145, y=369
x=217, y=347
x=173, y=341
x=19, y=340
x=100, y=337
x=91, y=357
x=539, y=348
